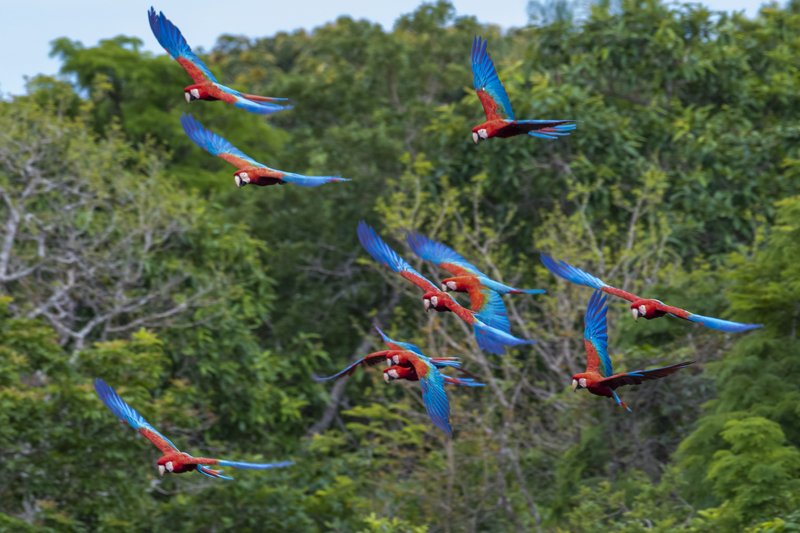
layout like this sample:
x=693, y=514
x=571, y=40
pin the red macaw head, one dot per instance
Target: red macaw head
x=241, y=177
x=399, y=372
x=165, y=464
x=645, y=309
x=195, y=92
x=453, y=284
x=578, y=382
x=434, y=300
x=479, y=134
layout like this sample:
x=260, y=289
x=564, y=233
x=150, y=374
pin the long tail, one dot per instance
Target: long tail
x=464, y=382
x=451, y=362
x=493, y=340
x=620, y=402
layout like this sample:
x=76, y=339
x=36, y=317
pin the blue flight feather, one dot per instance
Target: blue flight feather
x=170, y=37
x=438, y=253
x=435, y=398
x=484, y=77
x=211, y=142
x=493, y=340
x=382, y=253
x=596, y=330
x=309, y=181
x=404, y=345
x=123, y=411
x=722, y=325
x=493, y=312
x=571, y=273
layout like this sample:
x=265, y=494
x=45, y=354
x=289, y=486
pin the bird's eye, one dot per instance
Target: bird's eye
x=482, y=133
x=643, y=310
x=582, y=382
x=195, y=93
x=169, y=466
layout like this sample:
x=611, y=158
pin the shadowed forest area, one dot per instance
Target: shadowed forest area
x=128, y=253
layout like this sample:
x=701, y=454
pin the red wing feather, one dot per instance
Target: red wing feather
x=638, y=376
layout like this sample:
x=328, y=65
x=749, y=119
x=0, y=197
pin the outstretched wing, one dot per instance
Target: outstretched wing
x=489, y=307
x=128, y=414
x=381, y=252
x=575, y=275
x=368, y=360
x=637, y=376
x=433, y=394
x=397, y=345
x=309, y=181
x=216, y=145
x=490, y=90
x=707, y=321
x=595, y=336
x=441, y=254
x=169, y=36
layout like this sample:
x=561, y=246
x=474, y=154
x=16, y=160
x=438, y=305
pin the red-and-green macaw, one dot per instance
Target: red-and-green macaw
x=406, y=361
x=640, y=307
x=249, y=171
x=489, y=337
x=599, y=377
x=173, y=460
x=206, y=86
x=500, y=121
x=484, y=292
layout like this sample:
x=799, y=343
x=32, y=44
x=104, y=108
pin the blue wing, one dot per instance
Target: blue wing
x=596, y=332
x=484, y=79
x=309, y=181
x=435, y=398
x=216, y=145
x=493, y=311
x=722, y=325
x=495, y=341
x=381, y=252
x=438, y=253
x=401, y=345
x=571, y=273
x=169, y=36
x=125, y=412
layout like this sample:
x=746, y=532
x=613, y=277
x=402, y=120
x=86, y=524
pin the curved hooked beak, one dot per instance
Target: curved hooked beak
x=188, y=97
x=444, y=287
x=475, y=137
x=574, y=385
x=635, y=313
x=161, y=470
x=386, y=377
x=427, y=304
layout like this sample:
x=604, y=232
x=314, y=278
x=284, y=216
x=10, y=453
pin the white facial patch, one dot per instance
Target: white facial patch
x=452, y=285
x=169, y=466
x=582, y=382
x=482, y=133
x=642, y=310
x=195, y=93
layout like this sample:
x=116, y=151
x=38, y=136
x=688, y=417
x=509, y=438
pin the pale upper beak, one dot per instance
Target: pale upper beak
x=475, y=137
x=385, y=377
x=574, y=385
x=635, y=313
x=188, y=97
x=161, y=470
x=427, y=304
x=444, y=287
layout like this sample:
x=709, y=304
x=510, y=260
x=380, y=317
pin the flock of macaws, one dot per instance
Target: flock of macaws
x=486, y=313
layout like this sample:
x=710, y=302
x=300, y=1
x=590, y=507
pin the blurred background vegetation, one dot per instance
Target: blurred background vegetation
x=127, y=253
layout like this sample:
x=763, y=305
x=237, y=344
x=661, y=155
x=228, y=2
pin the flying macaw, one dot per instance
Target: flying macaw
x=599, y=378
x=484, y=324
x=206, y=86
x=640, y=307
x=249, y=171
x=500, y=121
x=173, y=461
x=483, y=291
x=412, y=365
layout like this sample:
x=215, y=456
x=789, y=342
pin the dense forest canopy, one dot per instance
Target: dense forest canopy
x=127, y=253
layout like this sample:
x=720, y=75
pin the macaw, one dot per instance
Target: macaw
x=173, y=460
x=483, y=291
x=206, y=86
x=489, y=336
x=412, y=365
x=599, y=378
x=640, y=307
x=249, y=171
x=500, y=121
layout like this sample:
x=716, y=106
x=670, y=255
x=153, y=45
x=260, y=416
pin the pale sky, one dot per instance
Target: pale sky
x=28, y=26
